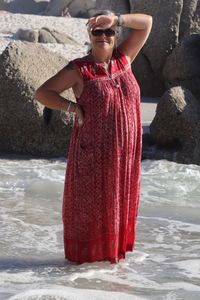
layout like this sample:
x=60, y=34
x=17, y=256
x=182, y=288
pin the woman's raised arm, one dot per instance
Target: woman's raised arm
x=141, y=25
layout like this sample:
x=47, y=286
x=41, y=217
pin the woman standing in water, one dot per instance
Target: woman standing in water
x=102, y=183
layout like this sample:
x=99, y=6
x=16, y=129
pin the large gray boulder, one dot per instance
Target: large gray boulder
x=23, y=68
x=172, y=21
x=163, y=38
x=121, y=6
x=28, y=35
x=183, y=65
x=46, y=35
x=190, y=18
x=76, y=8
x=176, y=125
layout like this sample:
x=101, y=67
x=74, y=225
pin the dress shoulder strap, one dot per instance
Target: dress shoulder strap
x=121, y=59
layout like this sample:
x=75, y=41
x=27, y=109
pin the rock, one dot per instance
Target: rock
x=23, y=6
x=76, y=8
x=23, y=68
x=183, y=65
x=150, y=82
x=60, y=37
x=176, y=125
x=190, y=18
x=27, y=35
x=172, y=20
x=163, y=38
x=45, y=37
x=3, y=5
x=121, y=6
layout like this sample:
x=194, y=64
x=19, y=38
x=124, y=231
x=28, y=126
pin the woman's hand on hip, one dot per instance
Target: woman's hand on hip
x=80, y=115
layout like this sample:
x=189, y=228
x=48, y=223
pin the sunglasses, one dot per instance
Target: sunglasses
x=108, y=32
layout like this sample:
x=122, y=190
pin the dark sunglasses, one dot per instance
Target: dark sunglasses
x=108, y=32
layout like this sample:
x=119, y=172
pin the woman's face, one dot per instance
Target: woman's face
x=104, y=39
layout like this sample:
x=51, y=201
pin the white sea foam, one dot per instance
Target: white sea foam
x=171, y=184
x=62, y=293
x=189, y=267
x=163, y=265
x=25, y=277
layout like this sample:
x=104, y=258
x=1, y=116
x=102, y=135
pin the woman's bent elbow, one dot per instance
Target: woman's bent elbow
x=39, y=95
x=150, y=20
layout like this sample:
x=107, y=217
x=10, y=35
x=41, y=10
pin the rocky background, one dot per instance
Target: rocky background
x=168, y=66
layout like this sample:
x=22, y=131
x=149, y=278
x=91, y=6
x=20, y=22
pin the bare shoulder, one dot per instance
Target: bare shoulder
x=70, y=66
x=69, y=73
x=64, y=79
x=72, y=69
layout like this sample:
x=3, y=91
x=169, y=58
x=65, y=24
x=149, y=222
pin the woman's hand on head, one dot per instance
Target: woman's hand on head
x=102, y=22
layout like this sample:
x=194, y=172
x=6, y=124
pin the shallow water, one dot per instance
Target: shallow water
x=164, y=265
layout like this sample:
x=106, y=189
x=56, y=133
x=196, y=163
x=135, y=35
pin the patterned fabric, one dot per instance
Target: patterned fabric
x=102, y=183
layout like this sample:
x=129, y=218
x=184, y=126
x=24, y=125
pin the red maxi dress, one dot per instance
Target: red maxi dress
x=102, y=183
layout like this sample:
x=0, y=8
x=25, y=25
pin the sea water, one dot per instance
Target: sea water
x=164, y=265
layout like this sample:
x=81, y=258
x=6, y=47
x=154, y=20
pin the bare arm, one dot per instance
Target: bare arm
x=141, y=25
x=48, y=92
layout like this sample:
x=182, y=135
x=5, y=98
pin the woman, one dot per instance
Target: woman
x=102, y=183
